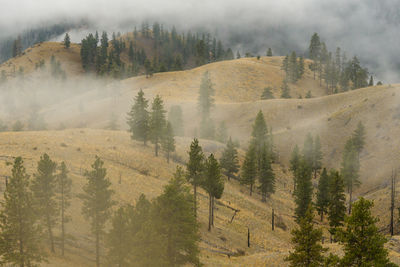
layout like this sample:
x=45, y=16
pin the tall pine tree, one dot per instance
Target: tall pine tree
x=229, y=160
x=336, y=208
x=266, y=176
x=249, y=168
x=64, y=195
x=303, y=192
x=194, y=168
x=138, y=119
x=157, y=122
x=168, y=141
x=323, y=194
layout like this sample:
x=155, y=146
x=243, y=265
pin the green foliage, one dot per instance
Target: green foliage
x=212, y=184
x=44, y=188
x=267, y=93
x=205, y=103
x=308, y=95
x=249, y=168
x=337, y=198
x=157, y=122
x=67, y=41
x=175, y=117
x=20, y=232
x=222, y=133
x=64, y=196
x=358, y=137
x=168, y=141
x=269, y=52
x=229, y=160
x=363, y=244
x=307, y=251
x=266, y=175
x=303, y=191
x=139, y=119
x=285, y=90
x=350, y=168
x=97, y=202
x=323, y=194
x=317, y=156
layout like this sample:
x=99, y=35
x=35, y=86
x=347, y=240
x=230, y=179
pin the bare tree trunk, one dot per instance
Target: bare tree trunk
x=209, y=212
x=195, y=199
x=248, y=237
x=212, y=211
x=273, y=220
x=50, y=234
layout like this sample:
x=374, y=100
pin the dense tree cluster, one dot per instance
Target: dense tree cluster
x=293, y=67
x=168, y=51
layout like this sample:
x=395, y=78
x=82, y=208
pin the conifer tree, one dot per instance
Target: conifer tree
x=97, y=202
x=194, y=168
x=315, y=51
x=317, y=156
x=293, y=70
x=213, y=184
x=168, y=141
x=308, y=150
x=300, y=68
x=285, y=65
x=350, y=168
x=308, y=251
x=371, y=81
x=175, y=225
x=157, y=122
x=323, y=194
x=222, y=133
x=294, y=164
x=44, y=188
x=118, y=239
x=269, y=52
x=336, y=208
x=259, y=136
x=205, y=104
x=138, y=119
x=229, y=161
x=249, y=168
x=285, y=91
x=363, y=244
x=358, y=137
x=20, y=233
x=64, y=195
x=267, y=93
x=303, y=192
x=67, y=41
x=266, y=176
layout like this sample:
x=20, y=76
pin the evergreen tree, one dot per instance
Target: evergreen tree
x=308, y=251
x=260, y=138
x=358, y=137
x=314, y=51
x=222, y=133
x=205, y=102
x=303, y=192
x=238, y=55
x=266, y=176
x=229, y=160
x=207, y=128
x=371, y=81
x=194, y=168
x=336, y=208
x=67, y=41
x=285, y=90
x=269, y=52
x=118, y=240
x=300, y=68
x=294, y=164
x=138, y=119
x=168, y=141
x=308, y=95
x=175, y=225
x=20, y=233
x=323, y=194
x=317, y=156
x=363, y=244
x=44, y=188
x=64, y=195
x=293, y=70
x=249, y=168
x=157, y=122
x=267, y=93
x=97, y=202
x=213, y=185
x=175, y=117
x=350, y=168
x=308, y=150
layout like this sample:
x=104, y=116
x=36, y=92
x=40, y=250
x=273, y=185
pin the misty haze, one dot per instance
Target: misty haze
x=199, y=133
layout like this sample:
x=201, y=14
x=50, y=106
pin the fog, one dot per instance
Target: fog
x=368, y=29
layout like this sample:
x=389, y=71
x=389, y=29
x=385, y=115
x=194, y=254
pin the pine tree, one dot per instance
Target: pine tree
x=267, y=93
x=175, y=225
x=350, y=168
x=314, y=51
x=205, y=103
x=293, y=70
x=308, y=150
x=308, y=251
x=194, y=168
x=64, y=195
x=269, y=52
x=157, y=122
x=285, y=90
x=138, y=119
x=20, y=233
x=249, y=168
x=213, y=185
x=363, y=244
x=371, y=81
x=300, y=68
x=222, y=133
x=175, y=117
x=317, y=156
x=44, y=188
x=266, y=176
x=97, y=202
x=294, y=164
x=118, y=240
x=67, y=41
x=168, y=141
x=229, y=160
x=336, y=208
x=303, y=192
x=260, y=136
x=358, y=137
x=323, y=194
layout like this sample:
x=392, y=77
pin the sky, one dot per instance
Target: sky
x=366, y=28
